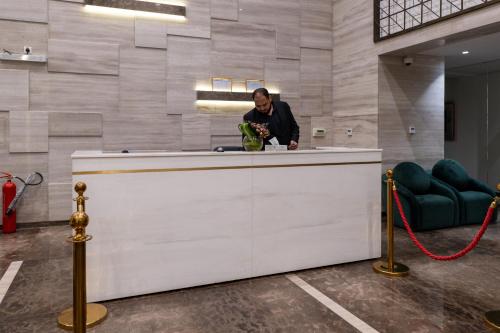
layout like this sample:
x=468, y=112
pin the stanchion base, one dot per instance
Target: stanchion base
x=381, y=267
x=492, y=318
x=96, y=313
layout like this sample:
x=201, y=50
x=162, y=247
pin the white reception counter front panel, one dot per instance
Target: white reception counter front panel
x=164, y=221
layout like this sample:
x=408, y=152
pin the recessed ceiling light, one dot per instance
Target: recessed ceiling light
x=465, y=52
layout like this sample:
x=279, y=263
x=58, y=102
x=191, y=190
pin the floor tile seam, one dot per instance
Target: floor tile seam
x=333, y=306
x=8, y=277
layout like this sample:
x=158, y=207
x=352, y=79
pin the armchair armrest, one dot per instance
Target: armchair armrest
x=479, y=186
x=409, y=200
x=437, y=187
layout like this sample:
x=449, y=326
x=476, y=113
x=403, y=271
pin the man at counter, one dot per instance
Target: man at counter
x=277, y=116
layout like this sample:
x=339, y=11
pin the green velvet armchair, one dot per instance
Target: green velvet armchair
x=474, y=197
x=427, y=203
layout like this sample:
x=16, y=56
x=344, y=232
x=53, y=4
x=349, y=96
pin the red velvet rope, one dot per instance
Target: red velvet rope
x=457, y=255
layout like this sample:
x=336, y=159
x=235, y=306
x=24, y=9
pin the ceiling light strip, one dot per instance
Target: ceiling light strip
x=144, y=6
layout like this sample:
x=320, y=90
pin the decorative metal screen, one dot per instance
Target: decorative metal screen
x=395, y=17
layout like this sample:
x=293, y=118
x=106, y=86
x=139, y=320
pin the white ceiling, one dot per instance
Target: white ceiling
x=483, y=49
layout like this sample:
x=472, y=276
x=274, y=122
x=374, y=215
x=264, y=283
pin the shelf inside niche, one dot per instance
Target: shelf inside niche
x=41, y=58
x=228, y=96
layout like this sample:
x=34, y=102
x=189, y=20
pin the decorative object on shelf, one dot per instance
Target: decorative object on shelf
x=227, y=95
x=221, y=84
x=254, y=84
x=140, y=6
x=255, y=134
x=26, y=56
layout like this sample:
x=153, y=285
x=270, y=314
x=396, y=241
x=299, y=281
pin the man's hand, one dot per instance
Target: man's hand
x=293, y=145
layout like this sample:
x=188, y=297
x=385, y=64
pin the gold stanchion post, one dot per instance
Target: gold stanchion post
x=389, y=267
x=81, y=315
x=492, y=318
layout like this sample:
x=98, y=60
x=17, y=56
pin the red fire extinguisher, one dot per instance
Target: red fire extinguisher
x=9, y=192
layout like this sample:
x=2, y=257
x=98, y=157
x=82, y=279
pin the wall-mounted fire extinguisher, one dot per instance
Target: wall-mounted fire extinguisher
x=8, y=193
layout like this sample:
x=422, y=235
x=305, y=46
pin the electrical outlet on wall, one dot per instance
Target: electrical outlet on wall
x=412, y=130
x=349, y=132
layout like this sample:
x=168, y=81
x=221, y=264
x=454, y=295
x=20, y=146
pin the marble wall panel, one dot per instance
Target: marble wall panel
x=69, y=92
x=236, y=66
x=315, y=77
x=305, y=132
x=70, y=56
x=244, y=38
x=188, y=64
x=364, y=129
x=70, y=21
x=14, y=90
x=411, y=96
x=15, y=35
x=4, y=131
x=355, y=90
x=33, y=207
x=226, y=140
x=75, y=124
x=24, y=10
x=287, y=42
x=28, y=132
x=284, y=15
x=181, y=96
x=224, y=9
x=188, y=57
x=197, y=22
x=196, y=132
x=283, y=75
x=355, y=72
x=355, y=63
x=221, y=125
x=326, y=123
x=316, y=23
x=60, y=150
x=143, y=81
x=142, y=132
x=150, y=33
x=60, y=201
x=294, y=103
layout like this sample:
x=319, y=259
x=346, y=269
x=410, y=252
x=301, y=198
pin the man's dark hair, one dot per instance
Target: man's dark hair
x=262, y=91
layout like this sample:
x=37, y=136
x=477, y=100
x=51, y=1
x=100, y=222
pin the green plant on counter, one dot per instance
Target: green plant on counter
x=254, y=134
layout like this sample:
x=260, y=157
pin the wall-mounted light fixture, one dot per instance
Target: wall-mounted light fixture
x=136, y=7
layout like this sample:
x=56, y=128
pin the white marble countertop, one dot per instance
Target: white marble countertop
x=159, y=153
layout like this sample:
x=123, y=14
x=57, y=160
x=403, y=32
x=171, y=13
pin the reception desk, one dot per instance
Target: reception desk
x=164, y=220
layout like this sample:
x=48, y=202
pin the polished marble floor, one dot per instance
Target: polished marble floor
x=436, y=297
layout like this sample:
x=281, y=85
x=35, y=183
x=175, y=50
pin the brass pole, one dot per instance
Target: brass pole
x=390, y=267
x=81, y=315
x=492, y=318
x=390, y=223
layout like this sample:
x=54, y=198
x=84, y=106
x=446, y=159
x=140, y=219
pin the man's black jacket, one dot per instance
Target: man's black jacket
x=281, y=123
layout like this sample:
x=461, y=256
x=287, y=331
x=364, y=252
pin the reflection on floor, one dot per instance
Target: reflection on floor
x=436, y=297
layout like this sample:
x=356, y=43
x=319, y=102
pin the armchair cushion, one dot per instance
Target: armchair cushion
x=436, y=211
x=453, y=173
x=413, y=177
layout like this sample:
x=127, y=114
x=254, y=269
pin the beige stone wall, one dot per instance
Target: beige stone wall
x=113, y=83
x=378, y=97
x=117, y=82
